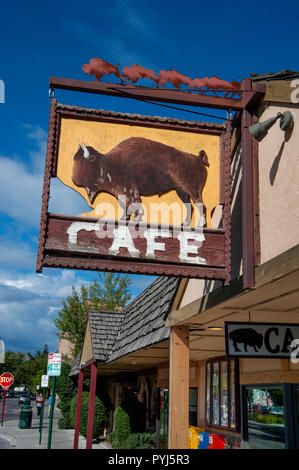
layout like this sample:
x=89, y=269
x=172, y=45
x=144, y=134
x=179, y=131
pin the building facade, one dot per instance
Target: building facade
x=169, y=347
x=252, y=401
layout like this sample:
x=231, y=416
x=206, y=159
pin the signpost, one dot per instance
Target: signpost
x=45, y=381
x=6, y=380
x=44, y=385
x=54, y=370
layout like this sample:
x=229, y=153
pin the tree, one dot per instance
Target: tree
x=26, y=368
x=110, y=292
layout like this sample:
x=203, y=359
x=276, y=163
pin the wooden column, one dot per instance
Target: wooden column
x=78, y=409
x=179, y=388
x=247, y=194
x=92, y=395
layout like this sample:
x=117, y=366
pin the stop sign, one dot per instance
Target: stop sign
x=6, y=380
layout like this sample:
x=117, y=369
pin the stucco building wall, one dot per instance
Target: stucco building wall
x=279, y=186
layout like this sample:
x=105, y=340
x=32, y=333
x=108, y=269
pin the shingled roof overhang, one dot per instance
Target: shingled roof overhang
x=283, y=75
x=136, y=337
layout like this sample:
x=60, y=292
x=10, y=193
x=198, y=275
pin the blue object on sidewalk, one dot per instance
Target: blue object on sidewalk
x=203, y=442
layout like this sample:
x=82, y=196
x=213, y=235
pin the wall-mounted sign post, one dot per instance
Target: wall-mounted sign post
x=54, y=370
x=44, y=385
x=81, y=138
x=6, y=380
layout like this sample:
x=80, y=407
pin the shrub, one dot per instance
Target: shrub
x=113, y=440
x=140, y=441
x=65, y=389
x=64, y=423
x=136, y=412
x=122, y=425
x=101, y=413
x=269, y=419
x=129, y=422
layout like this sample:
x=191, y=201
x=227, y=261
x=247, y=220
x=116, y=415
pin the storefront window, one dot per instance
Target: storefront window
x=221, y=393
x=266, y=421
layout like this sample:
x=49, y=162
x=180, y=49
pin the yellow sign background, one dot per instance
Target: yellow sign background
x=103, y=137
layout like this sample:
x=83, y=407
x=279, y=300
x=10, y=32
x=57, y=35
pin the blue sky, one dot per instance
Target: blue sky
x=38, y=39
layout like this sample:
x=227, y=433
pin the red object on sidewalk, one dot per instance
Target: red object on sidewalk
x=216, y=441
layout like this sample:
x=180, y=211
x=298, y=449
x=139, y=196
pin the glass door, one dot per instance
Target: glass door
x=264, y=423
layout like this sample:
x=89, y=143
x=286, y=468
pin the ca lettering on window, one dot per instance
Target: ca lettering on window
x=295, y=93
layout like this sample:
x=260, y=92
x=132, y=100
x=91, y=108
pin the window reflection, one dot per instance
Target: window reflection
x=266, y=425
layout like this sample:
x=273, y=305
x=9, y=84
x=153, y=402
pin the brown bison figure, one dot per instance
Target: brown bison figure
x=138, y=166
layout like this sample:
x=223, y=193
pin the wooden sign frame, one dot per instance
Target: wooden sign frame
x=55, y=249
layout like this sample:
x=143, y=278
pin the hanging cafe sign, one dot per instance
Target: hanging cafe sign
x=158, y=191
x=264, y=340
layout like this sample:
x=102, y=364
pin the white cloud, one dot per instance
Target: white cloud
x=20, y=192
x=28, y=305
x=21, y=186
x=39, y=137
x=54, y=286
x=16, y=254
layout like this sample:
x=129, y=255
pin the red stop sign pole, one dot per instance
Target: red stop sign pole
x=6, y=380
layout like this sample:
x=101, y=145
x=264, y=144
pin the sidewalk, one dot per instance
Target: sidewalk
x=29, y=438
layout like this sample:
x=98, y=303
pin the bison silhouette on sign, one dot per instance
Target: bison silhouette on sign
x=247, y=336
x=138, y=166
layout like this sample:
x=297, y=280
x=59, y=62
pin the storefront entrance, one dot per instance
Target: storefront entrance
x=270, y=416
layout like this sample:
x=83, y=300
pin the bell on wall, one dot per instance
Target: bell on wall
x=260, y=129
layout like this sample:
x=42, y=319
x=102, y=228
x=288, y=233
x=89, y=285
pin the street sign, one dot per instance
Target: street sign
x=54, y=369
x=54, y=358
x=6, y=380
x=54, y=364
x=44, y=381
